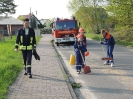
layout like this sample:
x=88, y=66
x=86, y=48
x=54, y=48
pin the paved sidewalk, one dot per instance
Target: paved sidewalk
x=48, y=80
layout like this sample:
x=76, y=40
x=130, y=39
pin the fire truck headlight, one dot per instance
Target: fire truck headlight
x=58, y=40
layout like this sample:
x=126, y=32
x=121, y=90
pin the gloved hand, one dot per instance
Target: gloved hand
x=34, y=47
x=102, y=43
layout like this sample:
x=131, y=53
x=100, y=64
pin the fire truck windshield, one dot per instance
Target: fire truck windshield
x=61, y=25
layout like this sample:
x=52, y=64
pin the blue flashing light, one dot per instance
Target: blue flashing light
x=57, y=19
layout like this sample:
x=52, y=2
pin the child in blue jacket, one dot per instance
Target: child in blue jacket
x=109, y=42
x=79, y=48
x=81, y=33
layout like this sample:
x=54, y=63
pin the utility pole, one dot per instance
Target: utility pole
x=36, y=17
x=30, y=10
x=30, y=18
x=36, y=13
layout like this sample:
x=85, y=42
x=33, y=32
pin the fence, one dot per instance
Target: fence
x=2, y=38
x=4, y=34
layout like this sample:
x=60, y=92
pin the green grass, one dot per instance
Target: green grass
x=38, y=39
x=11, y=64
x=76, y=85
x=124, y=43
x=95, y=37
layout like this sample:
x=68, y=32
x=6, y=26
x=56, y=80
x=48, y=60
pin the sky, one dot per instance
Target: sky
x=45, y=8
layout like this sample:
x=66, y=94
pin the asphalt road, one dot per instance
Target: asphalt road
x=104, y=82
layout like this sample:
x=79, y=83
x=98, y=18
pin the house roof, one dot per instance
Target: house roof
x=43, y=21
x=29, y=16
x=10, y=20
x=25, y=16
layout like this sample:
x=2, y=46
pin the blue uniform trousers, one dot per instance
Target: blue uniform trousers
x=79, y=61
x=110, y=49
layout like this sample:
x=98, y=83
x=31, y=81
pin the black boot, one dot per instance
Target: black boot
x=30, y=76
x=29, y=72
x=25, y=73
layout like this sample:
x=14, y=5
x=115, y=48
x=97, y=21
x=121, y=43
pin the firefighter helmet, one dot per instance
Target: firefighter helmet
x=81, y=30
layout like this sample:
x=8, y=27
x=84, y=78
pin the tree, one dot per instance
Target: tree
x=48, y=22
x=122, y=10
x=89, y=13
x=92, y=18
x=21, y=18
x=40, y=26
x=33, y=23
x=7, y=6
x=74, y=5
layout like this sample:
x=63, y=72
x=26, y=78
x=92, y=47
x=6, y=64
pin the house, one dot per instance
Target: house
x=45, y=21
x=9, y=25
x=30, y=16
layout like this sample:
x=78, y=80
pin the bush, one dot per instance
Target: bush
x=46, y=30
x=40, y=26
x=123, y=34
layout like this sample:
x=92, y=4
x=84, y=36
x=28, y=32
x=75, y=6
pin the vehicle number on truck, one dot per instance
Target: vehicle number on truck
x=68, y=39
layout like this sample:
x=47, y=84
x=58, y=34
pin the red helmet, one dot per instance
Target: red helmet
x=81, y=30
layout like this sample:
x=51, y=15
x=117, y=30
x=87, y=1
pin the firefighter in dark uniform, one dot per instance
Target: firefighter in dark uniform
x=27, y=41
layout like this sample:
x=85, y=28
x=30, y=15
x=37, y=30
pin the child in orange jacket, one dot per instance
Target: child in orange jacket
x=79, y=49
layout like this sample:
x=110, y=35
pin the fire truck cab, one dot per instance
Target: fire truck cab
x=64, y=30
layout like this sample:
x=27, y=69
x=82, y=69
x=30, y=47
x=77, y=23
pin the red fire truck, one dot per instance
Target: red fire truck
x=64, y=30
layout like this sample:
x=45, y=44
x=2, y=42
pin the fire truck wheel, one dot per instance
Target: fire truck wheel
x=57, y=44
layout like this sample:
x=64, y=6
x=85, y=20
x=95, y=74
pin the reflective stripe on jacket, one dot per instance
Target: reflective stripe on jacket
x=26, y=42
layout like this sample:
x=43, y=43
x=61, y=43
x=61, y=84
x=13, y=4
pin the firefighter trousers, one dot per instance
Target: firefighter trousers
x=79, y=61
x=27, y=58
x=110, y=51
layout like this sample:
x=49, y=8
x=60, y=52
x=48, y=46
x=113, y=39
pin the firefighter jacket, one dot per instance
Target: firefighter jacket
x=79, y=46
x=26, y=42
x=84, y=40
x=109, y=40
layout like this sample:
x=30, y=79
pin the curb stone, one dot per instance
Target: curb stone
x=65, y=72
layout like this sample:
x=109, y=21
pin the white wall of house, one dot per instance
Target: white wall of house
x=37, y=32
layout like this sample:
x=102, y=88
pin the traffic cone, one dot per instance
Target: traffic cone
x=72, y=60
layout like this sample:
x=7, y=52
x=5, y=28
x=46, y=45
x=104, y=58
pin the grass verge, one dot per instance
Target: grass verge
x=10, y=64
x=76, y=85
x=95, y=37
